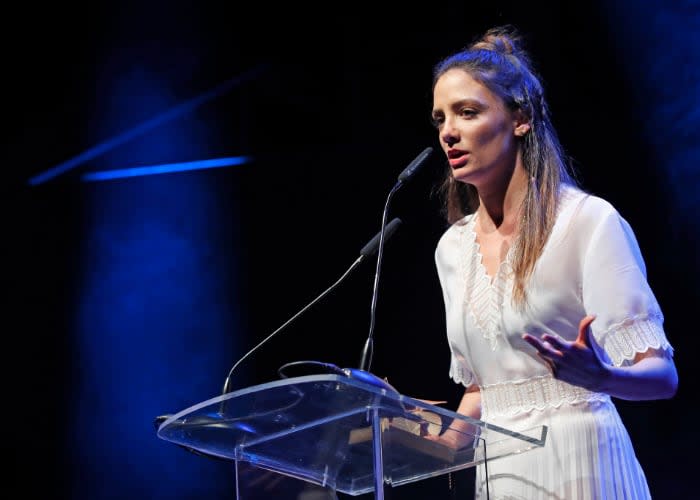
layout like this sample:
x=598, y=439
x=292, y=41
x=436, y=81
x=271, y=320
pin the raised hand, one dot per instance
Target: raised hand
x=574, y=362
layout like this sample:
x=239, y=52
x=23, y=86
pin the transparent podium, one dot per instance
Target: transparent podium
x=340, y=433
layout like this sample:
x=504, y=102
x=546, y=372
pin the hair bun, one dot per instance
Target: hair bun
x=502, y=39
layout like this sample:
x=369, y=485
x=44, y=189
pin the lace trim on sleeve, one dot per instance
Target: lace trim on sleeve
x=622, y=341
x=460, y=374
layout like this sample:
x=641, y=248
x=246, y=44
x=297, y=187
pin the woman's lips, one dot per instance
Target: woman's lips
x=458, y=161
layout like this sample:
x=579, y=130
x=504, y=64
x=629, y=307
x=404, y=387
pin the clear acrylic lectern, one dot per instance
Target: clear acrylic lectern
x=338, y=432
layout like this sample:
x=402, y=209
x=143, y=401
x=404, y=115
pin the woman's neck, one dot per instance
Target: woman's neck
x=500, y=206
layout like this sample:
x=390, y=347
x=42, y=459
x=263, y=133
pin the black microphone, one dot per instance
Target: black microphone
x=373, y=245
x=415, y=165
x=368, y=250
x=408, y=172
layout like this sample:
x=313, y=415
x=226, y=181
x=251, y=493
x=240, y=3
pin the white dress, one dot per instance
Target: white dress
x=591, y=264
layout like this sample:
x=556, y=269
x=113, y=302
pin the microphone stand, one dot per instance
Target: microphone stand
x=227, y=383
x=368, y=250
x=368, y=350
x=408, y=172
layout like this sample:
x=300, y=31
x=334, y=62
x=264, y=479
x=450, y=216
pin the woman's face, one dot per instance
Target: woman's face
x=476, y=130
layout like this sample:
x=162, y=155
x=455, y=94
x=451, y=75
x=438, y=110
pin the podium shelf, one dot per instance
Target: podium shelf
x=320, y=429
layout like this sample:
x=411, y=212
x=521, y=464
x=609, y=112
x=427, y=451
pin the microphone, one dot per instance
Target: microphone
x=368, y=250
x=408, y=172
x=373, y=245
x=415, y=165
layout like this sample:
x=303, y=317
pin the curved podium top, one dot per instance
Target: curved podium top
x=319, y=428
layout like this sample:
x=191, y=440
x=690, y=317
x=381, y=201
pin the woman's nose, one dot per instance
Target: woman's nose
x=449, y=134
x=450, y=139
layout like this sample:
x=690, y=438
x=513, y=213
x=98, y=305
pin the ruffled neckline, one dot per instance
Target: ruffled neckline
x=484, y=294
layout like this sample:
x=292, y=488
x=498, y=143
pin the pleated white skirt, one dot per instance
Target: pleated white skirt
x=587, y=455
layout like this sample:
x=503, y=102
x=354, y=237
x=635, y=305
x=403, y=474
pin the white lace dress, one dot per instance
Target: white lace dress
x=591, y=265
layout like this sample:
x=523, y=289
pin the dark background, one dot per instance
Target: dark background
x=131, y=298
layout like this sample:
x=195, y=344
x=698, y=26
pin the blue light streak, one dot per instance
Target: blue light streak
x=165, y=168
x=142, y=128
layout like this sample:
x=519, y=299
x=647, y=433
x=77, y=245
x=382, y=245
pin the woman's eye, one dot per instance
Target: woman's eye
x=468, y=112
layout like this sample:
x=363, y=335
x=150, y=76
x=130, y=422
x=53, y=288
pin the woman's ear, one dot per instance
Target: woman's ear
x=522, y=129
x=522, y=123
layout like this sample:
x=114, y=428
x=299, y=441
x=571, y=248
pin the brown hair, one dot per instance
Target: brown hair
x=498, y=61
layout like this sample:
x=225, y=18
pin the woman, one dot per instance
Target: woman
x=548, y=309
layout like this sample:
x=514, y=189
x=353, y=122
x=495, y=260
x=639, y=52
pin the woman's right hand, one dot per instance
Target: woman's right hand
x=452, y=438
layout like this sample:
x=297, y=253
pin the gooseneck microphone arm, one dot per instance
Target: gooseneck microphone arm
x=368, y=250
x=227, y=384
x=368, y=350
x=408, y=172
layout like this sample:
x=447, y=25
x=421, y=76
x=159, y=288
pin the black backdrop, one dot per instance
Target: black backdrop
x=340, y=108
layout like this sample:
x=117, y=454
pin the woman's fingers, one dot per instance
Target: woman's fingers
x=544, y=345
x=584, y=330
